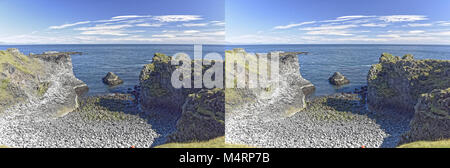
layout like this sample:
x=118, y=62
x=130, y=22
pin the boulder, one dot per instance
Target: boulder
x=338, y=79
x=112, y=79
x=431, y=119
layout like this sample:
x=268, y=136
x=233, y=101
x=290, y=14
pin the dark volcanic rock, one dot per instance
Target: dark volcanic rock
x=338, y=79
x=112, y=79
x=431, y=119
x=194, y=104
x=418, y=87
x=398, y=82
x=202, y=118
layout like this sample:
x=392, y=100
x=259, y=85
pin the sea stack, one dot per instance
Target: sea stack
x=112, y=79
x=338, y=79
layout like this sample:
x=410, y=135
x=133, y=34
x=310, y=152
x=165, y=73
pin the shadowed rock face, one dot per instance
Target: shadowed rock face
x=418, y=87
x=398, y=82
x=40, y=85
x=432, y=118
x=203, y=110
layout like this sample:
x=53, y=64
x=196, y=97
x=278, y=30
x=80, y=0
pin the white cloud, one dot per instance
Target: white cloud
x=389, y=35
x=420, y=24
x=195, y=24
x=416, y=32
x=403, y=18
x=444, y=33
x=374, y=25
x=444, y=23
x=328, y=27
x=191, y=31
x=128, y=17
x=69, y=25
x=164, y=35
x=149, y=25
x=346, y=18
x=105, y=32
x=329, y=32
x=177, y=18
x=294, y=25
x=104, y=27
x=218, y=23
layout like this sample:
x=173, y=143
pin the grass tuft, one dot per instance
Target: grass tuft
x=214, y=143
x=427, y=144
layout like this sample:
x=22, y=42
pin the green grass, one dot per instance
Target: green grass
x=21, y=62
x=214, y=143
x=427, y=144
x=4, y=146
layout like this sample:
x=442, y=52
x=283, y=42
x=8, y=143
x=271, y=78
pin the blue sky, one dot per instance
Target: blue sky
x=338, y=21
x=225, y=21
x=111, y=21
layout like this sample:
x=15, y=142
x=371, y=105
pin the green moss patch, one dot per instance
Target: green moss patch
x=427, y=144
x=18, y=61
x=214, y=143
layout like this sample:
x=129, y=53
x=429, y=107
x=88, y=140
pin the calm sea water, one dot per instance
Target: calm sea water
x=353, y=61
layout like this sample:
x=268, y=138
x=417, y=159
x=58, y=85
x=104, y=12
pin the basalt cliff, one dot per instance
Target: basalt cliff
x=202, y=111
x=38, y=86
x=413, y=87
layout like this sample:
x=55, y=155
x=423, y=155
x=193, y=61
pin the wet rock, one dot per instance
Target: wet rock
x=338, y=79
x=112, y=79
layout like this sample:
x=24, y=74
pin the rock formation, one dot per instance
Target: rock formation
x=431, y=119
x=41, y=85
x=418, y=87
x=201, y=110
x=338, y=79
x=112, y=79
x=283, y=97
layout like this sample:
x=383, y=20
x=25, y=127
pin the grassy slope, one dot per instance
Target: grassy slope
x=427, y=144
x=214, y=143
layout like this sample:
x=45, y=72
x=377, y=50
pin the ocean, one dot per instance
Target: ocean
x=318, y=65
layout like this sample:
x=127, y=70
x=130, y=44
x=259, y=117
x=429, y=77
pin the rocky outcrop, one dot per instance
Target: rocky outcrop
x=282, y=98
x=112, y=79
x=201, y=110
x=338, y=79
x=41, y=85
x=431, y=119
x=202, y=118
x=398, y=82
x=414, y=87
